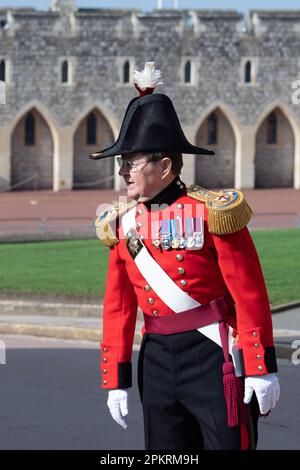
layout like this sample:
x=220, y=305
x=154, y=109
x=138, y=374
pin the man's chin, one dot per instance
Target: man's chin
x=131, y=194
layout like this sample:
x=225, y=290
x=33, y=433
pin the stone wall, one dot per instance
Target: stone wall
x=97, y=42
x=86, y=174
x=274, y=163
x=216, y=171
x=33, y=163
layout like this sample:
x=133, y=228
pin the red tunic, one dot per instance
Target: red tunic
x=225, y=264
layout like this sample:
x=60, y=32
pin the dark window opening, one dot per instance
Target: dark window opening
x=248, y=72
x=30, y=129
x=65, y=72
x=126, y=72
x=187, y=72
x=2, y=70
x=272, y=129
x=91, y=133
x=212, y=129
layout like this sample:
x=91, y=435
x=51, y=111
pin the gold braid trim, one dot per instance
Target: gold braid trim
x=105, y=222
x=228, y=211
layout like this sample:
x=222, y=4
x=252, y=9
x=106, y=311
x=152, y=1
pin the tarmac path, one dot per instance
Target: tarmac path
x=50, y=399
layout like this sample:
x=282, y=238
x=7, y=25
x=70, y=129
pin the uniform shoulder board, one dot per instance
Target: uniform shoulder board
x=105, y=222
x=228, y=210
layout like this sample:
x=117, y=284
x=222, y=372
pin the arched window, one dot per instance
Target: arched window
x=272, y=129
x=30, y=129
x=65, y=72
x=2, y=70
x=248, y=72
x=126, y=72
x=187, y=72
x=212, y=129
x=91, y=129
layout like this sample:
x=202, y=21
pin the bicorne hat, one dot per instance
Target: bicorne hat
x=150, y=123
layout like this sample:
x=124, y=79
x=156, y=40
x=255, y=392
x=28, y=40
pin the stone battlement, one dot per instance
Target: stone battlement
x=67, y=65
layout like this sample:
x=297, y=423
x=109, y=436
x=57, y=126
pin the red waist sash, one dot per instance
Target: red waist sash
x=214, y=311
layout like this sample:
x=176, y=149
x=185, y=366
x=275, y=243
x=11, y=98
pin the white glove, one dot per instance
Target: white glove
x=118, y=406
x=267, y=391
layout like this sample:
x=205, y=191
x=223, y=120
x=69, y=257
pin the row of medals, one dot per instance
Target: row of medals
x=167, y=241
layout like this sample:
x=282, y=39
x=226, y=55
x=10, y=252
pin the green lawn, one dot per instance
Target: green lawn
x=279, y=252
x=78, y=268
x=74, y=268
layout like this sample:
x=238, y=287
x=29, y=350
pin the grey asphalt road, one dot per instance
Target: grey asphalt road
x=50, y=399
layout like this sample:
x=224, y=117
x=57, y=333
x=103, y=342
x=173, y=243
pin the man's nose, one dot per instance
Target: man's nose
x=124, y=170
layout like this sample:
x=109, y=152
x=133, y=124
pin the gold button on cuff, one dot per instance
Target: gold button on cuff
x=180, y=206
x=181, y=271
x=258, y=357
x=150, y=301
x=260, y=367
x=179, y=257
x=104, y=382
x=104, y=359
x=105, y=349
x=256, y=345
x=183, y=282
x=155, y=313
x=104, y=371
x=254, y=333
x=147, y=288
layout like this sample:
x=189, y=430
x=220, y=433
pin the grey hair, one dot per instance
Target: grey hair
x=175, y=157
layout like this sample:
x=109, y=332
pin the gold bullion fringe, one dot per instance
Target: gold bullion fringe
x=106, y=235
x=233, y=219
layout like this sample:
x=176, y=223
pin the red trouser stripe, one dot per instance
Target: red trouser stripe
x=244, y=436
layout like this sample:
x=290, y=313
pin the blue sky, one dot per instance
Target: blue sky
x=150, y=4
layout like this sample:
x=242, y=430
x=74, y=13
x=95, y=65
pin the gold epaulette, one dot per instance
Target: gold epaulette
x=228, y=210
x=105, y=222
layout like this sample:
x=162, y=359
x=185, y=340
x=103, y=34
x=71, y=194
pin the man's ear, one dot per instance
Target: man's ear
x=166, y=167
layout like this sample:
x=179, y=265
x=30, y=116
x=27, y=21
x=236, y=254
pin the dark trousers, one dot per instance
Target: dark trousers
x=181, y=389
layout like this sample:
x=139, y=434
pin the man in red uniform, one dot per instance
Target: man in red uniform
x=207, y=365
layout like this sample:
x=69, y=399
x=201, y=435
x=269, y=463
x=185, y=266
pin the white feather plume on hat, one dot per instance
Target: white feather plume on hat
x=147, y=78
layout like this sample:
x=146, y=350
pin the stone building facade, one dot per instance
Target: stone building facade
x=67, y=75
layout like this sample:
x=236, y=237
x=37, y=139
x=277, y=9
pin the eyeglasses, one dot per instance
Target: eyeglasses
x=130, y=165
